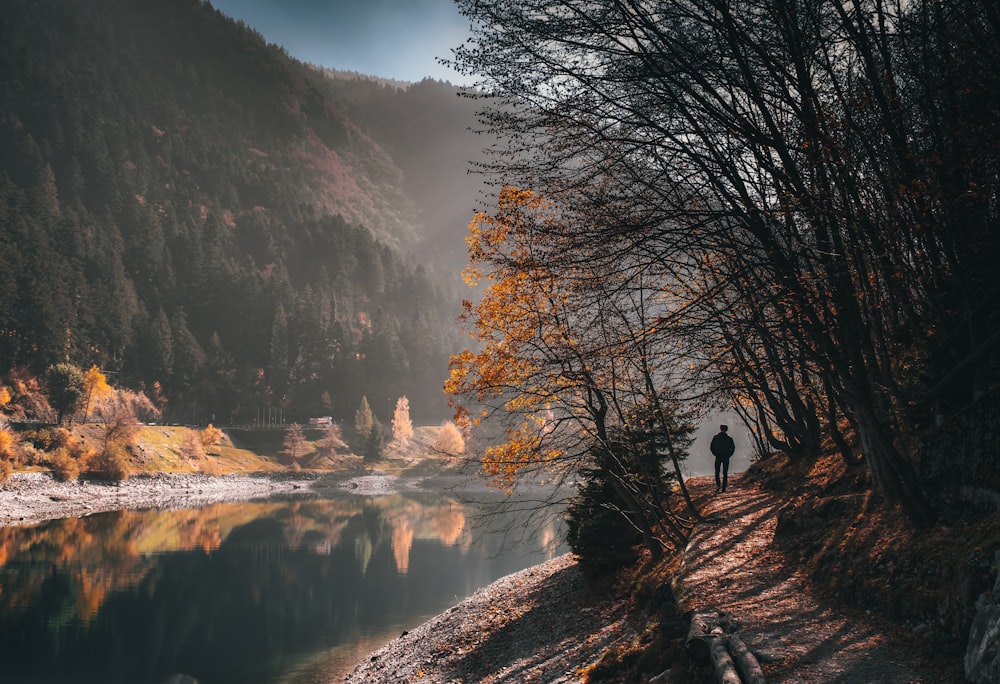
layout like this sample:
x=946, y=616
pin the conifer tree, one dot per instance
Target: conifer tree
x=402, y=426
x=64, y=387
x=294, y=443
x=364, y=420
x=374, y=443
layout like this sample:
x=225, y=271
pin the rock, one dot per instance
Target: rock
x=982, y=655
x=661, y=678
x=982, y=659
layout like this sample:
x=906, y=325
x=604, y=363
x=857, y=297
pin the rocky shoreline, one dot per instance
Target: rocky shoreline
x=542, y=624
x=32, y=497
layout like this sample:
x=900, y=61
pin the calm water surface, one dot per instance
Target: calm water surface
x=289, y=592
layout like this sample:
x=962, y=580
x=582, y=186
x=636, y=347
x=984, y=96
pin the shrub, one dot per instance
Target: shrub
x=64, y=465
x=449, y=439
x=27, y=399
x=59, y=438
x=596, y=531
x=333, y=438
x=211, y=436
x=191, y=446
x=68, y=459
x=111, y=463
x=211, y=467
x=10, y=452
x=9, y=444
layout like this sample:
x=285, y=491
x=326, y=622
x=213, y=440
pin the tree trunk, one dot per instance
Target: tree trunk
x=892, y=475
x=708, y=644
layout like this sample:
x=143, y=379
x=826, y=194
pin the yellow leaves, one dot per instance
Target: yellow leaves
x=4, y=395
x=525, y=322
x=502, y=462
x=211, y=436
x=8, y=444
x=95, y=384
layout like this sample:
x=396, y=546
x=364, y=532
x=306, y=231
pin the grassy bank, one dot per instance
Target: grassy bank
x=168, y=449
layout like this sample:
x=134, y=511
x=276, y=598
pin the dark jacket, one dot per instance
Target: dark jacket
x=723, y=445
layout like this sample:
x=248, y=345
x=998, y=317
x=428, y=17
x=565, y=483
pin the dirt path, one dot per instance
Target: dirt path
x=730, y=565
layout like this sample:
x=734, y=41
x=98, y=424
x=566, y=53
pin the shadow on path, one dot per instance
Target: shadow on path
x=731, y=565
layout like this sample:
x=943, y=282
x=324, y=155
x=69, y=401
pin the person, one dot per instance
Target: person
x=722, y=448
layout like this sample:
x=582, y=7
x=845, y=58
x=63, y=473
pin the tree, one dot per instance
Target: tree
x=449, y=439
x=64, y=387
x=294, y=443
x=374, y=443
x=120, y=414
x=364, y=420
x=402, y=426
x=95, y=387
x=792, y=159
x=568, y=360
x=211, y=436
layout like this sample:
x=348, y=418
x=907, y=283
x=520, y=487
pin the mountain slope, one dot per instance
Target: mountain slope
x=180, y=204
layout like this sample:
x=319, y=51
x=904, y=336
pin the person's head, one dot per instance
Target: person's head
x=723, y=428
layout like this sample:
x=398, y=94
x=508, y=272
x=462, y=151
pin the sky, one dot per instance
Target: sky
x=396, y=39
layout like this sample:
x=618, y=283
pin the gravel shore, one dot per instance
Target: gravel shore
x=542, y=624
x=33, y=497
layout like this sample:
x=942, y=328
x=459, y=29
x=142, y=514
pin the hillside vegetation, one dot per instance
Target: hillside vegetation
x=166, y=449
x=184, y=204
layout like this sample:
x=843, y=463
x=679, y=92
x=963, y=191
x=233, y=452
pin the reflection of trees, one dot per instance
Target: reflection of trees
x=449, y=524
x=283, y=580
x=402, y=540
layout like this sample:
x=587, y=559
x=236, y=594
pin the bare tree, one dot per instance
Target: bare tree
x=799, y=145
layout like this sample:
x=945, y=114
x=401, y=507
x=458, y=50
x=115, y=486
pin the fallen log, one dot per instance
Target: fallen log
x=746, y=662
x=708, y=644
x=722, y=662
x=697, y=645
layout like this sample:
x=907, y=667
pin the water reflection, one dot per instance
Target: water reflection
x=251, y=592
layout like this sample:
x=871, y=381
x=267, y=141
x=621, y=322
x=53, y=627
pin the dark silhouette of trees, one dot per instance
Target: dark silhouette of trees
x=64, y=388
x=809, y=182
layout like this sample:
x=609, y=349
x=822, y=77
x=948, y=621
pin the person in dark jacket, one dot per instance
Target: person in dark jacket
x=722, y=448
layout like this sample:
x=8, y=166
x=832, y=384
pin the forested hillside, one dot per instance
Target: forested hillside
x=433, y=136
x=183, y=204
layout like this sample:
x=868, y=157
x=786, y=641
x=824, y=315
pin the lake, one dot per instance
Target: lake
x=290, y=592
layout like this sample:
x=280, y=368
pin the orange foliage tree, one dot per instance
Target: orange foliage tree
x=95, y=387
x=564, y=360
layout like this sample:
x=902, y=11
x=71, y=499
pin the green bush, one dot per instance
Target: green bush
x=596, y=531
